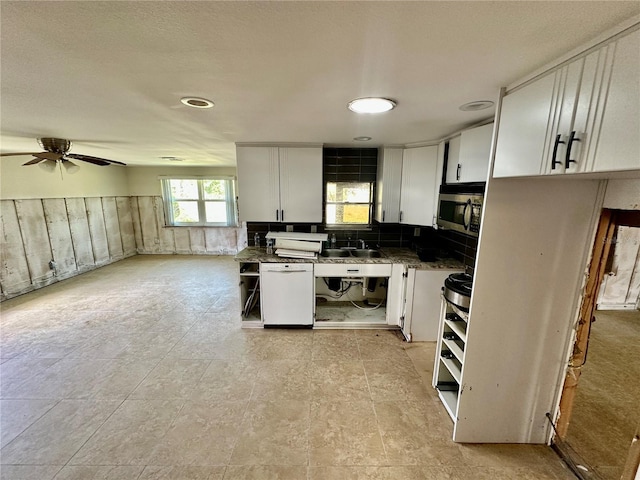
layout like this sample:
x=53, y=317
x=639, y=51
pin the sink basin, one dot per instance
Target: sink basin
x=366, y=253
x=335, y=252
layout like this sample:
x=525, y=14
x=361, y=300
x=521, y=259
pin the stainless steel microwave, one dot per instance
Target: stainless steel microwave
x=460, y=212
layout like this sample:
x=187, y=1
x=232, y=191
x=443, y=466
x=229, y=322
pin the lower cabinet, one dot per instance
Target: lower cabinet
x=423, y=297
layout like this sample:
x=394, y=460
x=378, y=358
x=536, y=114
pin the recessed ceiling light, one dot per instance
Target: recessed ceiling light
x=172, y=159
x=371, y=105
x=197, y=102
x=477, y=105
x=362, y=139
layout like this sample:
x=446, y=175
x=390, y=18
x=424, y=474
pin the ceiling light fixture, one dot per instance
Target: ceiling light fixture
x=197, y=102
x=362, y=139
x=172, y=159
x=371, y=105
x=477, y=105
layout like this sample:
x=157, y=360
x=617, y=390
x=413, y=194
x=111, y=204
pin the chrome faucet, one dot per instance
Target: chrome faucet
x=362, y=244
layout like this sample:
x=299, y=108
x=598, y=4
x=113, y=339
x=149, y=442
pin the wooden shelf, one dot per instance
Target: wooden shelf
x=450, y=402
x=453, y=368
x=459, y=327
x=455, y=349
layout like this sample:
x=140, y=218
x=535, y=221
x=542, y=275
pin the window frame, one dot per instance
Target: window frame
x=230, y=200
x=371, y=205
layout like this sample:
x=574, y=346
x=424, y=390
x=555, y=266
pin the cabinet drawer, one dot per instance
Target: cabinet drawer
x=352, y=270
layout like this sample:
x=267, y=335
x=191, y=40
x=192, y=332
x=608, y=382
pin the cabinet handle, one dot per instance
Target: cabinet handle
x=458, y=172
x=401, y=216
x=282, y=215
x=383, y=215
x=567, y=160
x=277, y=215
x=555, y=152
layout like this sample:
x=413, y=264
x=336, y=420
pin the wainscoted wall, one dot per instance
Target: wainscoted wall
x=77, y=234
x=152, y=236
x=81, y=234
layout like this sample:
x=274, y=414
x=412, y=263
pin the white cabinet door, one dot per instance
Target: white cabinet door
x=453, y=161
x=522, y=130
x=475, y=148
x=388, y=185
x=258, y=184
x=618, y=145
x=300, y=184
x=419, y=167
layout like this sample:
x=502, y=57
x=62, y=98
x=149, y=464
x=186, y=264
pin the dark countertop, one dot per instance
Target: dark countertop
x=405, y=256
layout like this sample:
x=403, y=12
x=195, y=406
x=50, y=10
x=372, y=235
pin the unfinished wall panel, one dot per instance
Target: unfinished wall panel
x=98, y=231
x=14, y=272
x=196, y=237
x=125, y=220
x=137, y=225
x=35, y=238
x=183, y=240
x=80, y=236
x=112, y=227
x=55, y=212
x=165, y=234
x=621, y=286
x=148, y=226
x=221, y=241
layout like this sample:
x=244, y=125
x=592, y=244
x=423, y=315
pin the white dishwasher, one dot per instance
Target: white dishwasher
x=286, y=295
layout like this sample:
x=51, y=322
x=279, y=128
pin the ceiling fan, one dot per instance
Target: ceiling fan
x=55, y=155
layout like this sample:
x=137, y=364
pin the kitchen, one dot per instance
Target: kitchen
x=146, y=234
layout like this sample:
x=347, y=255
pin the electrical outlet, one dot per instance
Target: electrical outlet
x=416, y=232
x=314, y=229
x=289, y=228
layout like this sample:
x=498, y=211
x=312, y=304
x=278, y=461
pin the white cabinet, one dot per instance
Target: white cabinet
x=389, y=179
x=583, y=117
x=419, y=167
x=279, y=184
x=423, y=301
x=469, y=155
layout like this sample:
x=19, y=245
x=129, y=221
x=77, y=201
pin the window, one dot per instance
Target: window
x=200, y=201
x=349, y=203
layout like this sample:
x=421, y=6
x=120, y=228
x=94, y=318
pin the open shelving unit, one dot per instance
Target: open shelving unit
x=452, y=339
x=250, y=293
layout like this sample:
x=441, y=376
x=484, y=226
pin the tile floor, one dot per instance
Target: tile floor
x=139, y=370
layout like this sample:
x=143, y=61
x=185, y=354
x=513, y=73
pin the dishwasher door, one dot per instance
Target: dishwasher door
x=286, y=295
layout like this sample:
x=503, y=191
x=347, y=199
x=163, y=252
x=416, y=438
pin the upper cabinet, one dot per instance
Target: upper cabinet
x=469, y=155
x=583, y=117
x=408, y=184
x=389, y=180
x=419, y=181
x=279, y=184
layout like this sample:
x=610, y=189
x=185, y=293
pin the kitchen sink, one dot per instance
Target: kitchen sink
x=335, y=252
x=366, y=253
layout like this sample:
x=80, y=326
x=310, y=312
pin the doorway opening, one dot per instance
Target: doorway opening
x=599, y=422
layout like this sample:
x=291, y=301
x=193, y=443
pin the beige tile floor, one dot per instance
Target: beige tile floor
x=140, y=370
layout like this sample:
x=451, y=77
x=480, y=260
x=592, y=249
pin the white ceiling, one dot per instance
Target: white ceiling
x=110, y=75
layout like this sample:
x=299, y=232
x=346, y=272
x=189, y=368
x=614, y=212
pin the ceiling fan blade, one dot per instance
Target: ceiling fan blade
x=32, y=162
x=16, y=154
x=94, y=160
x=54, y=157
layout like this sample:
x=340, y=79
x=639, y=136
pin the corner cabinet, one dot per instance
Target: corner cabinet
x=583, y=117
x=279, y=184
x=419, y=181
x=389, y=180
x=469, y=155
x=408, y=184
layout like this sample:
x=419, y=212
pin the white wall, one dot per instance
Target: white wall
x=143, y=181
x=19, y=182
x=623, y=194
